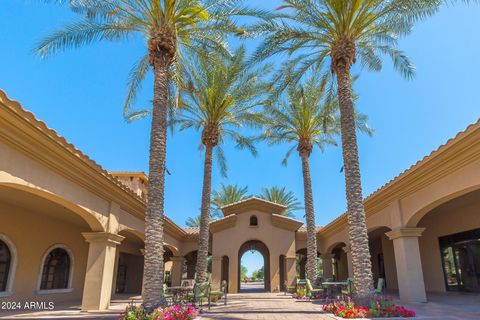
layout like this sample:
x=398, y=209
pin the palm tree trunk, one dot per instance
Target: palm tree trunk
x=310, y=218
x=153, y=274
x=203, y=237
x=362, y=268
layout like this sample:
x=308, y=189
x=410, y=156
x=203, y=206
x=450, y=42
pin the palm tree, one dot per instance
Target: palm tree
x=218, y=99
x=170, y=29
x=333, y=34
x=281, y=196
x=193, y=222
x=307, y=120
x=226, y=195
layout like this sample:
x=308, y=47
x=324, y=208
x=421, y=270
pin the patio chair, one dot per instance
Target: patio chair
x=168, y=295
x=222, y=292
x=287, y=288
x=311, y=291
x=380, y=286
x=200, y=292
x=350, y=288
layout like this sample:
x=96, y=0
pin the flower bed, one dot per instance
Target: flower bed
x=133, y=312
x=381, y=307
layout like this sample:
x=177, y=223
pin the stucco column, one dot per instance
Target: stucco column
x=348, y=251
x=409, y=265
x=176, y=271
x=327, y=265
x=216, y=272
x=100, y=269
x=291, y=270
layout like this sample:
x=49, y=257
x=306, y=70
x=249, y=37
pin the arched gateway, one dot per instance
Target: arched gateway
x=256, y=245
x=254, y=224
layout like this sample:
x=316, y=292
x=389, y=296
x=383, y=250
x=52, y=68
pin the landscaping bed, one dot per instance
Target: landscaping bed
x=186, y=312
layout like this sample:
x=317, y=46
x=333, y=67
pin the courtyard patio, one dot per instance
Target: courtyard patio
x=266, y=305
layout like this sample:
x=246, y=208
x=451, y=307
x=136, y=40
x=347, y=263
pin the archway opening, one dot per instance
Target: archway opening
x=450, y=245
x=382, y=256
x=301, y=256
x=340, y=263
x=253, y=267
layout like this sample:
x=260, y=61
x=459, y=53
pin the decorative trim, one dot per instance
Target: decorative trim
x=111, y=238
x=222, y=224
x=404, y=232
x=70, y=271
x=285, y=223
x=13, y=265
x=253, y=203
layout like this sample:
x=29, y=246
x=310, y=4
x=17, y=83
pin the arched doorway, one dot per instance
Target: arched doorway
x=256, y=245
x=301, y=256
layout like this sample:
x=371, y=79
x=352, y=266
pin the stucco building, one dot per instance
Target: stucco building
x=71, y=231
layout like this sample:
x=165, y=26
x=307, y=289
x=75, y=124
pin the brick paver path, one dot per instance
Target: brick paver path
x=263, y=305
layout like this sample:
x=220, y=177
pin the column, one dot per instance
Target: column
x=291, y=270
x=176, y=271
x=409, y=265
x=327, y=265
x=100, y=268
x=348, y=251
x=216, y=272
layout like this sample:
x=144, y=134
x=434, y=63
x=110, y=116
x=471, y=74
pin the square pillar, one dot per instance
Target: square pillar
x=176, y=271
x=348, y=251
x=216, y=272
x=408, y=262
x=100, y=269
x=291, y=270
x=327, y=265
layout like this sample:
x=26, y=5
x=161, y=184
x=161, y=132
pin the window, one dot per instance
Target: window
x=253, y=221
x=56, y=270
x=5, y=262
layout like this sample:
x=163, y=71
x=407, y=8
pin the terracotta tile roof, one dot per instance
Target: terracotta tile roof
x=303, y=229
x=191, y=230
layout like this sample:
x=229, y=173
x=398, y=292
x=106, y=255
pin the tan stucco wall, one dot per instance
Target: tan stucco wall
x=228, y=242
x=448, y=219
x=32, y=234
x=20, y=170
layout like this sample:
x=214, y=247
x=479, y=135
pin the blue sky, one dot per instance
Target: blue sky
x=80, y=94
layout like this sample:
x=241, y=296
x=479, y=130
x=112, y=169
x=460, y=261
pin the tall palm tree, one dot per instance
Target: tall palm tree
x=218, y=99
x=306, y=119
x=333, y=34
x=170, y=29
x=226, y=195
x=281, y=196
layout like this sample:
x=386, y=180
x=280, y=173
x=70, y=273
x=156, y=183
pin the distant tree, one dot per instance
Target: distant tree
x=226, y=195
x=243, y=272
x=193, y=222
x=283, y=197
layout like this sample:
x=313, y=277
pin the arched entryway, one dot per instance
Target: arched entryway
x=256, y=245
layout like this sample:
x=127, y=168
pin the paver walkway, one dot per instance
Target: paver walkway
x=265, y=305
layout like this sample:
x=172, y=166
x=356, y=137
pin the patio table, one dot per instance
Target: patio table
x=180, y=291
x=334, y=288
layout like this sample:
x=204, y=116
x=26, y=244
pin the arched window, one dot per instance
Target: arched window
x=5, y=263
x=253, y=221
x=56, y=270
